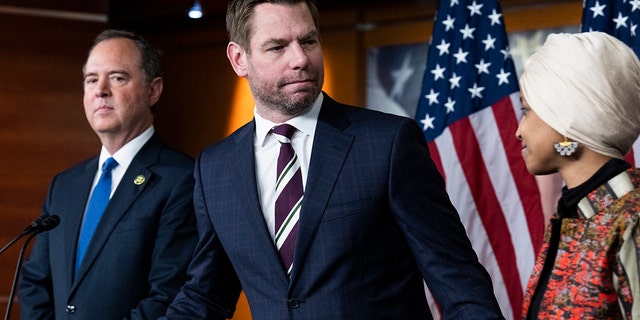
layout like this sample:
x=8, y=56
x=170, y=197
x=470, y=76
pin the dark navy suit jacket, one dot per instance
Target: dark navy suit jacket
x=138, y=257
x=375, y=221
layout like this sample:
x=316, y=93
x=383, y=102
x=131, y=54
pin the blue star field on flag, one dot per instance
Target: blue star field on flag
x=468, y=65
x=619, y=18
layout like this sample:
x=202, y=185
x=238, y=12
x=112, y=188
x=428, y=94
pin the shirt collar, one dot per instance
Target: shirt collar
x=125, y=155
x=610, y=169
x=305, y=123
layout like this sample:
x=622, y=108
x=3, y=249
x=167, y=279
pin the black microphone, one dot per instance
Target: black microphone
x=34, y=225
x=48, y=223
x=40, y=224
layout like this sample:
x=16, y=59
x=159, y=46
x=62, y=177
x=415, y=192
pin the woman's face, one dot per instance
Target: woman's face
x=537, y=143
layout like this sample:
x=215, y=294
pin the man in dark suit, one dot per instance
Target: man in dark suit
x=370, y=222
x=136, y=260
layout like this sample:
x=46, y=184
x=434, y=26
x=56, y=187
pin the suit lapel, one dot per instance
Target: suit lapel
x=77, y=204
x=126, y=193
x=243, y=158
x=330, y=149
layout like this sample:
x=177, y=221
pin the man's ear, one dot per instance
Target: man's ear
x=156, y=90
x=237, y=57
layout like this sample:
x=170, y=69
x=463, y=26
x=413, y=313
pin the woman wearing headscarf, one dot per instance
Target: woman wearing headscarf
x=581, y=106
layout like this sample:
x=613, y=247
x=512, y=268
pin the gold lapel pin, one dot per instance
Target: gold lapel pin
x=139, y=180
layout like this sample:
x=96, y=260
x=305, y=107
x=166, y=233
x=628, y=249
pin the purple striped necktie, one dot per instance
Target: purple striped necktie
x=289, y=194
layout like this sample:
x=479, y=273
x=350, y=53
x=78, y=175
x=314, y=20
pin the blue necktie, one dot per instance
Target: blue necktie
x=97, y=204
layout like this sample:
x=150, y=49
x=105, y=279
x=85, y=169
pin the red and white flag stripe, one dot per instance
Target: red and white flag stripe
x=489, y=185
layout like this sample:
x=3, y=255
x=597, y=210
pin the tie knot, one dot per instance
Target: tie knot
x=284, y=130
x=109, y=164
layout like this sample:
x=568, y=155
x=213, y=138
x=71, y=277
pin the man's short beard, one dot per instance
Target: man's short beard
x=297, y=108
x=284, y=106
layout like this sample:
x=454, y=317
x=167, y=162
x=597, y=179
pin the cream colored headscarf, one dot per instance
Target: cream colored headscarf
x=586, y=86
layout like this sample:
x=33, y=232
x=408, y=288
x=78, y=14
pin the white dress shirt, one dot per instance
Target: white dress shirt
x=124, y=156
x=267, y=148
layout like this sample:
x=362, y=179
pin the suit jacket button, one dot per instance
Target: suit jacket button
x=70, y=309
x=293, y=303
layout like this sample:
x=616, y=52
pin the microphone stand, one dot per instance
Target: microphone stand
x=17, y=273
x=41, y=224
x=35, y=226
x=13, y=241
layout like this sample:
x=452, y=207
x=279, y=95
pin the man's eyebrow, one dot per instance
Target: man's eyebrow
x=311, y=34
x=123, y=72
x=93, y=73
x=276, y=41
x=280, y=41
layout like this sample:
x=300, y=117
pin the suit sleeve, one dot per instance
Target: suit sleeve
x=35, y=287
x=213, y=288
x=436, y=236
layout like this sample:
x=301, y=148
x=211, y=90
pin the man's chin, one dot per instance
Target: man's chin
x=302, y=97
x=302, y=100
x=104, y=128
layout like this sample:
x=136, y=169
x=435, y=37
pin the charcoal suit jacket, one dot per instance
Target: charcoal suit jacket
x=375, y=221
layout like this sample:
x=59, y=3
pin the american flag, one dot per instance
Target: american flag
x=469, y=110
x=619, y=18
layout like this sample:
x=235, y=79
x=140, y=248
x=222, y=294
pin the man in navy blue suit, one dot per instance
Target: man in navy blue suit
x=374, y=219
x=136, y=260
